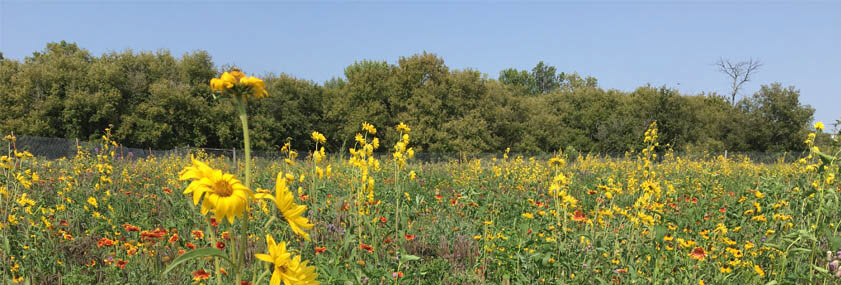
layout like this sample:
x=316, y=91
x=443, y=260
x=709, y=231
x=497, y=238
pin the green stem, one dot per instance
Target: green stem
x=215, y=259
x=243, y=117
x=397, y=239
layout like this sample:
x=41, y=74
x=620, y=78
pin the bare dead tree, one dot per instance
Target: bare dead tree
x=739, y=73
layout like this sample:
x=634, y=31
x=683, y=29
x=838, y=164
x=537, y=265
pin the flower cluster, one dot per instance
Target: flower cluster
x=236, y=81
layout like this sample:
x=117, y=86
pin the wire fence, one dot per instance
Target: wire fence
x=56, y=148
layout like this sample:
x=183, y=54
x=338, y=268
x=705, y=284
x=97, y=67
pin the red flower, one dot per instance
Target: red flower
x=579, y=216
x=722, y=210
x=167, y=190
x=64, y=223
x=131, y=228
x=220, y=245
x=173, y=238
x=197, y=234
x=190, y=245
x=369, y=248
x=387, y=240
x=213, y=222
x=122, y=264
x=409, y=237
x=155, y=234
x=245, y=283
x=698, y=253
x=200, y=275
x=223, y=271
x=104, y=242
x=320, y=250
x=383, y=220
x=226, y=236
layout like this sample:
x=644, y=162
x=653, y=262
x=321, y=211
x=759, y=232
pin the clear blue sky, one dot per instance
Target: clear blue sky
x=623, y=44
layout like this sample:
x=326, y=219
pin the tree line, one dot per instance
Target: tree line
x=157, y=100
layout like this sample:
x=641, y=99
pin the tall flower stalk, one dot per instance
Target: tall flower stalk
x=228, y=198
x=243, y=117
x=401, y=153
x=241, y=88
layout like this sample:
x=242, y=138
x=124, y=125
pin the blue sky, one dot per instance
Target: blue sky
x=625, y=44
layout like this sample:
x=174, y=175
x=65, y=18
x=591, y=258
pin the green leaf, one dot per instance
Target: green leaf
x=800, y=249
x=819, y=269
x=198, y=253
x=835, y=242
x=825, y=158
x=773, y=282
x=409, y=257
x=6, y=247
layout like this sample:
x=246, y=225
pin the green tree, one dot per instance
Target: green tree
x=776, y=119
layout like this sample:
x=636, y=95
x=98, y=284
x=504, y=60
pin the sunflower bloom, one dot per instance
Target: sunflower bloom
x=287, y=269
x=285, y=201
x=255, y=86
x=223, y=194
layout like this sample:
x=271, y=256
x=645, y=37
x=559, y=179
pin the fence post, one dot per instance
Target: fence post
x=725, y=154
x=235, y=157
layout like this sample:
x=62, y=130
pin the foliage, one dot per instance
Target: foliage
x=157, y=100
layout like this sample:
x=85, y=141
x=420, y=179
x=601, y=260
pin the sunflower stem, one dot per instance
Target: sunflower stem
x=243, y=116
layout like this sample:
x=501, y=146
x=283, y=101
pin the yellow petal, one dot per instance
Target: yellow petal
x=264, y=257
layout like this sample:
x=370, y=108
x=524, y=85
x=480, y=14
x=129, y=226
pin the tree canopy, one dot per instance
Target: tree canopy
x=157, y=100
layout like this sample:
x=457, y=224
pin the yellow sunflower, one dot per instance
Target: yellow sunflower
x=287, y=269
x=229, y=80
x=285, y=202
x=223, y=194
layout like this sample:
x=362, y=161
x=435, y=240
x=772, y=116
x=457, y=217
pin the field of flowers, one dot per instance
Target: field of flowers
x=375, y=215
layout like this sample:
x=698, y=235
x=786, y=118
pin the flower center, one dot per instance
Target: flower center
x=222, y=188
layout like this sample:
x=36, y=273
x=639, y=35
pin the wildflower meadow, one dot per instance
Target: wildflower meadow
x=374, y=213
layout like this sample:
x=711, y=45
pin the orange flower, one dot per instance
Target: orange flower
x=190, y=245
x=131, y=228
x=173, y=238
x=320, y=250
x=200, y=275
x=122, y=264
x=409, y=237
x=366, y=247
x=220, y=245
x=104, y=242
x=155, y=234
x=579, y=216
x=698, y=253
x=197, y=234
